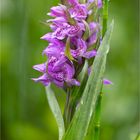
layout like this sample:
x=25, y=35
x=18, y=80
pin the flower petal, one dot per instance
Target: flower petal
x=59, y=34
x=58, y=21
x=73, y=30
x=100, y=4
x=40, y=67
x=107, y=82
x=78, y=12
x=58, y=83
x=90, y=54
x=53, y=50
x=92, y=39
x=57, y=11
x=44, y=79
x=69, y=70
x=58, y=65
x=73, y=82
x=47, y=37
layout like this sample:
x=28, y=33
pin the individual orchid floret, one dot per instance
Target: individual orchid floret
x=52, y=50
x=58, y=11
x=79, y=12
x=40, y=67
x=58, y=71
x=64, y=30
x=94, y=29
x=56, y=48
x=44, y=79
x=81, y=49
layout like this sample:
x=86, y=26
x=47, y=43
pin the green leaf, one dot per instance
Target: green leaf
x=56, y=111
x=94, y=125
x=82, y=1
x=91, y=5
x=87, y=31
x=79, y=125
x=67, y=50
x=77, y=91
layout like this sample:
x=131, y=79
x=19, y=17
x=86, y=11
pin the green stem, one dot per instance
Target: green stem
x=98, y=107
x=67, y=110
x=97, y=118
x=77, y=94
x=105, y=16
x=73, y=97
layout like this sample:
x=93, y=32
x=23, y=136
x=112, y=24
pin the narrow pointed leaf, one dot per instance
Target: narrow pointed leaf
x=94, y=126
x=79, y=125
x=56, y=111
x=67, y=50
x=87, y=31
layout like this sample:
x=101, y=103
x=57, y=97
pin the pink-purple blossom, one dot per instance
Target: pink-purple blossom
x=67, y=22
x=58, y=71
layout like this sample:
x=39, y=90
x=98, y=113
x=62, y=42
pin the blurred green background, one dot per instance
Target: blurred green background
x=25, y=114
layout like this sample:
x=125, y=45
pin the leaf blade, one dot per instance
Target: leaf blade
x=87, y=105
x=54, y=106
x=67, y=50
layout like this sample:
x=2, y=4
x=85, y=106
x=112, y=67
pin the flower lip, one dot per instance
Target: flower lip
x=57, y=11
x=40, y=67
x=44, y=79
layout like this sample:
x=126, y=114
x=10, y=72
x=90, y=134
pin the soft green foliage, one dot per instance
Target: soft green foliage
x=54, y=106
x=80, y=122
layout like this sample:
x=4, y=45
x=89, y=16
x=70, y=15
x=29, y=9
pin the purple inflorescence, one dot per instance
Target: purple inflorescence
x=68, y=23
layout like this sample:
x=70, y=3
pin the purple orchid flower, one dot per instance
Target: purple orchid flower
x=55, y=48
x=44, y=79
x=64, y=29
x=57, y=71
x=67, y=22
x=79, y=12
x=58, y=11
x=61, y=26
x=81, y=49
x=94, y=28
